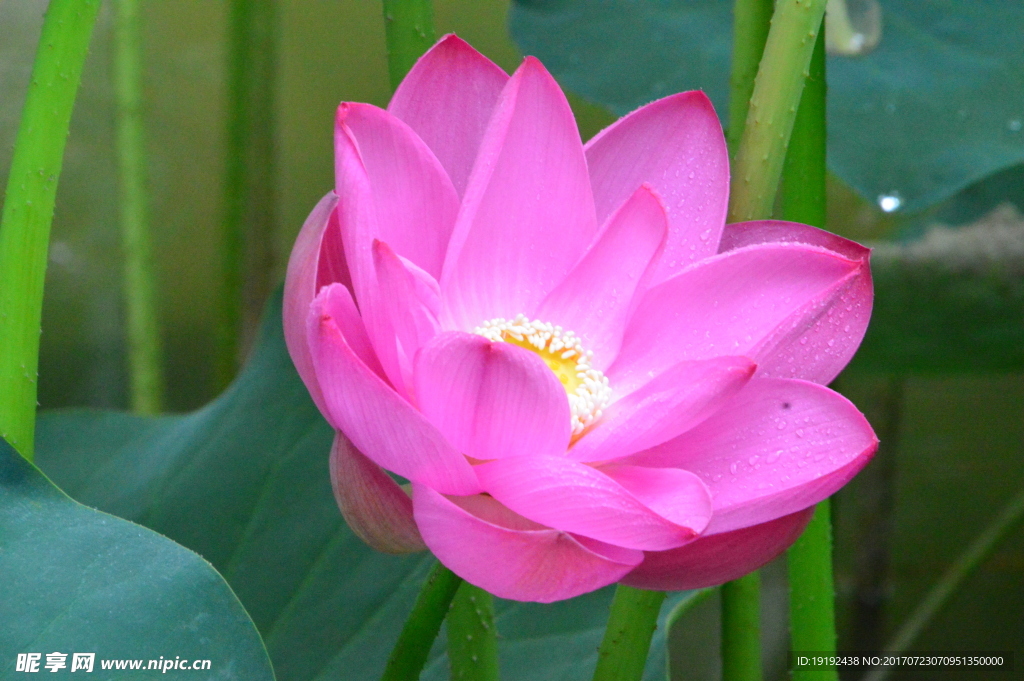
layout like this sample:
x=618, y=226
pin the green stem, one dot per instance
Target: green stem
x=980, y=549
x=421, y=628
x=750, y=22
x=773, y=106
x=741, y=629
x=28, y=209
x=803, y=184
x=246, y=252
x=472, y=637
x=144, y=347
x=409, y=31
x=812, y=593
x=627, y=639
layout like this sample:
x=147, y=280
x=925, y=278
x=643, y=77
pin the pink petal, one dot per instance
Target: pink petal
x=377, y=421
x=492, y=400
x=738, y=303
x=672, y=493
x=818, y=352
x=511, y=557
x=308, y=270
x=576, y=498
x=668, y=405
x=716, y=559
x=406, y=300
x=778, y=446
x=527, y=213
x=346, y=317
x=448, y=98
x=395, y=190
x=374, y=506
x=676, y=145
x=595, y=300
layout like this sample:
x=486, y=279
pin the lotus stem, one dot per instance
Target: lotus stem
x=980, y=549
x=803, y=184
x=622, y=655
x=811, y=588
x=750, y=96
x=751, y=19
x=246, y=257
x=812, y=594
x=773, y=105
x=472, y=636
x=421, y=628
x=28, y=209
x=741, y=629
x=409, y=31
x=145, y=354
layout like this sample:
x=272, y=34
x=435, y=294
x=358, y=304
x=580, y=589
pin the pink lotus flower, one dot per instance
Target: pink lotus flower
x=586, y=376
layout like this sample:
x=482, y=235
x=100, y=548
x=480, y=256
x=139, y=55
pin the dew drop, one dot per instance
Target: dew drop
x=1014, y=125
x=733, y=468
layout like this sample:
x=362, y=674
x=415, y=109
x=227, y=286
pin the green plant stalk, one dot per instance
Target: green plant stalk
x=421, y=628
x=409, y=32
x=770, y=45
x=803, y=183
x=812, y=594
x=472, y=637
x=1009, y=518
x=741, y=629
x=145, y=353
x=28, y=209
x=632, y=622
x=246, y=257
x=773, y=106
x=750, y=21
x=811, y=589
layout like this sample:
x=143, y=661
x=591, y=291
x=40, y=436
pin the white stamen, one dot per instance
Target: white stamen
x=592, y=394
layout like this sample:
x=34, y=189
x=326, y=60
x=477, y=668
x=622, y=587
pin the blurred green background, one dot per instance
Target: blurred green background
x=953, y=445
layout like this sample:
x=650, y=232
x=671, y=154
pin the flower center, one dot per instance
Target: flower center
x=587, y=388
